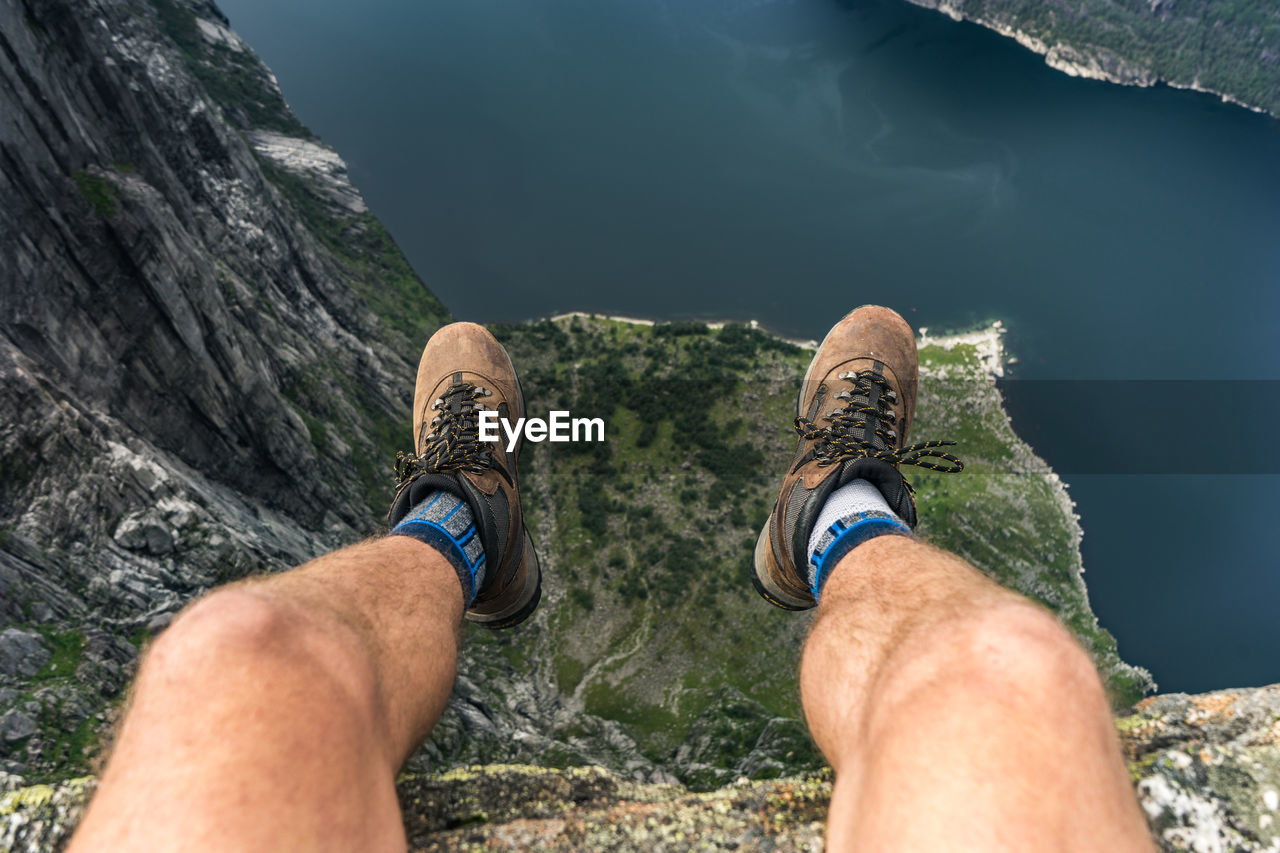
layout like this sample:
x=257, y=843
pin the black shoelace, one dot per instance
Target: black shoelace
x=454, y=441
x=845, y=438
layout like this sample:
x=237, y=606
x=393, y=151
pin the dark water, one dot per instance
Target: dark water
x=785, y=161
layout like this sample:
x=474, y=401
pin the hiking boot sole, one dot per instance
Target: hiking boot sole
x=763, y=582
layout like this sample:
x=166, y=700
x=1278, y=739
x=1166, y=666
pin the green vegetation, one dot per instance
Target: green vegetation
x=385, y=279
x=67, y=648
x=98, y=192
x=1227, y=46
x=383, y=433
x=68, y=740
x=234, y=78
x=317, y=430
x=140, y=638
x=179, y=23
x=583, y=597
x=72, y=747
x=568, y=673
x=960, y=355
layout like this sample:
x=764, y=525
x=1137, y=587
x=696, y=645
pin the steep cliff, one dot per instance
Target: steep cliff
x=195, y=381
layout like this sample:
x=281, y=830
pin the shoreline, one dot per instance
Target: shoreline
x=710, y=324
x=1086, y=63
x=988, y=340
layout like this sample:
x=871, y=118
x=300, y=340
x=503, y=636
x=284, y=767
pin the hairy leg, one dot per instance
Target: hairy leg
x=958, y=715
x=273, y=714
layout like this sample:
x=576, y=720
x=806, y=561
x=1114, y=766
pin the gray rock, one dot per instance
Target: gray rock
x=159, y=622
x=313, y=161
x=107, y=663
x=22, y=653
x=17, y=724
x=1207, y=768
x=144, y=534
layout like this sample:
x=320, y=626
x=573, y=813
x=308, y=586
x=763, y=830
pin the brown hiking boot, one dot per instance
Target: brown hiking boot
x=463, y=371
x=853, y=412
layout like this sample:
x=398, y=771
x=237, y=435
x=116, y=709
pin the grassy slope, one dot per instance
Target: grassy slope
x=646, y=540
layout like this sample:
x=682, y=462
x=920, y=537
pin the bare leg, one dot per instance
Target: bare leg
x=274, y=714
x=958, y=715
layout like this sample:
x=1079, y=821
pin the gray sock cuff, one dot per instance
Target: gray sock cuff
x=445, y=522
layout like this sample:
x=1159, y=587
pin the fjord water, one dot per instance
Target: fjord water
x=785, y=160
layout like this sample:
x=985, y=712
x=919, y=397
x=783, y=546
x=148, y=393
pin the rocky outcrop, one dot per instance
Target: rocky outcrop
x=1207, y=768
x=651, y=653
x=313, y=162
x=1206, y=771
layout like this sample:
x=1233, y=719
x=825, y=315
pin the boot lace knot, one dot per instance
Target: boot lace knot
x=453, y=443
x=869, y=401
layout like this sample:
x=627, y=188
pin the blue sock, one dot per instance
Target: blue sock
x=853, y=513
x=444, y=521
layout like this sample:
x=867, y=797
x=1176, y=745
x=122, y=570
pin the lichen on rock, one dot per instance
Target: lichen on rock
x=1206, y=771
x=1207, y=768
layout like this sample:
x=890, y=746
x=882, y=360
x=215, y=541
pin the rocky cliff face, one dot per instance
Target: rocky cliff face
x=195, y=386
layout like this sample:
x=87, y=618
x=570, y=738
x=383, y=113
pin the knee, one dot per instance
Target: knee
x=1019, y=653
x=1011, y=654
x=229, y=623
x=237, y=630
